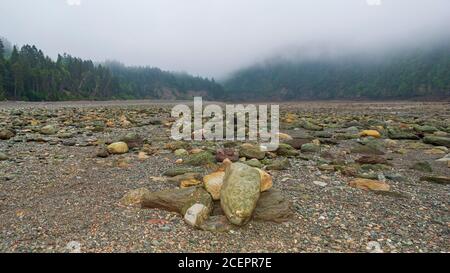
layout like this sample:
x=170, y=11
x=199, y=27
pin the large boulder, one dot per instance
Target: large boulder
x=240, y=192
x=213, y=182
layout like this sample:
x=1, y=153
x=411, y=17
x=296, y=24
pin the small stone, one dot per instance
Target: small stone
x=266, y=180
x=422, y=166
x=189, y=183
x=286, y=150
x=180, y=152
x=102, y=152
x=374, y=247
x=179, y=171
x=73, y=247
x=279, y=164
x=254, y=163
x=298, y=142
x=196, y=215
x=142, y=156
x=425, y=129
x=370, y=148
x=199, y=196
x=372, y=133
x=134, y=197
x=3, y=156
x=436, y=151
x=310, y=148
x=175, y=145
x=369, y=184
x=49, y=130
x=217, y=223
x=171, y=200
x=436, y=179
x=199, y=159
x=320, y=183
x=395, y=133
x=213, y=183
x=133, y=140
x=284, y=137
x=272, y=206
x=371, y=159
x=69, y=142
x=229, y=153
x=6, y=134
x=437, y=140
x=117, y=148
x=248, y=150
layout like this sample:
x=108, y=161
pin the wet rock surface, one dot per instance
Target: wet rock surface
x=60, y=187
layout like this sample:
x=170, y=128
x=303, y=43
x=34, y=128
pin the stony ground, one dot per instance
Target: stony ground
x=55, y=192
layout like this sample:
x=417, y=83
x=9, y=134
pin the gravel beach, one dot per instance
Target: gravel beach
x=57, y=194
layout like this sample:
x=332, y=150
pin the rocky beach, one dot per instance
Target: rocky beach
x=106, y=177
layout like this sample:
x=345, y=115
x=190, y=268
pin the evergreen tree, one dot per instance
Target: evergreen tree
x=2, y=71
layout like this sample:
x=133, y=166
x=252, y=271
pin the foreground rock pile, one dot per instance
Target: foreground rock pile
x=107, y=177
x=233, y=191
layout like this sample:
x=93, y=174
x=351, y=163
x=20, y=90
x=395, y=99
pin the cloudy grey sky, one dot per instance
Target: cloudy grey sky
x=214, y=37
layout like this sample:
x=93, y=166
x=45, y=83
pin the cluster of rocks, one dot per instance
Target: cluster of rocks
x=234, y=193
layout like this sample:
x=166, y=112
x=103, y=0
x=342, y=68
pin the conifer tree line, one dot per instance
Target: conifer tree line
x=28, y=74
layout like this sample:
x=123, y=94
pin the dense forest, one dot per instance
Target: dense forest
x=397, y=74
x=28, y=74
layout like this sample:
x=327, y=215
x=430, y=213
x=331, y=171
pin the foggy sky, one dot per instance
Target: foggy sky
x=214, y=37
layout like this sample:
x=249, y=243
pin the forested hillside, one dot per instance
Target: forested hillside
x=393, y=75
x=28, y=74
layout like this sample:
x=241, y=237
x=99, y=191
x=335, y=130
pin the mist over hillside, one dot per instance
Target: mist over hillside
x=409, y=72
x=302, y=73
